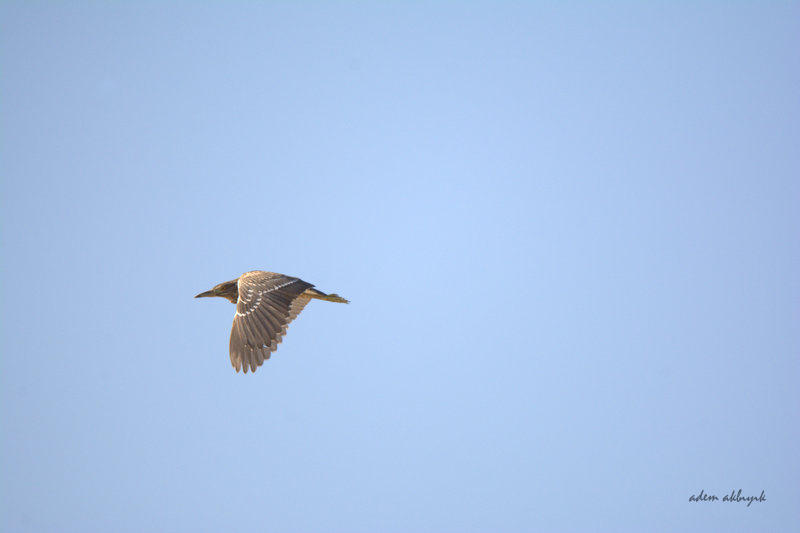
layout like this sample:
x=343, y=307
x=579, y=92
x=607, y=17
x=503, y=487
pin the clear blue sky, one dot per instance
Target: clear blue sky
x=570, y=234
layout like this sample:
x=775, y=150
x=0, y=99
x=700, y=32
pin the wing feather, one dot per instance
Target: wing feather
x=267, y=303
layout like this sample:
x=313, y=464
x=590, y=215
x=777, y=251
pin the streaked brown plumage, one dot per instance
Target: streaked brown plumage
x=266, y=302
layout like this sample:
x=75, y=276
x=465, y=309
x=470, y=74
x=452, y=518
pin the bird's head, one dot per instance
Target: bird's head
x=229, y=290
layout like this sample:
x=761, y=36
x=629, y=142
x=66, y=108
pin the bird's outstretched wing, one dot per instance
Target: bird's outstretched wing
x=267, y=303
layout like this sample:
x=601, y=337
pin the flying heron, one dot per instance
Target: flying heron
x=266, y=302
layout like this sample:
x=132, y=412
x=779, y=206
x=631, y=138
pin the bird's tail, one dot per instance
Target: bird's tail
x=319, y=295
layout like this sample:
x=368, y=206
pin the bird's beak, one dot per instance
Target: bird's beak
x=206, y=294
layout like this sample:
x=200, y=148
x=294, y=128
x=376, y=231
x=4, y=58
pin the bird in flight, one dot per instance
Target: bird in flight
x=266, y=302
